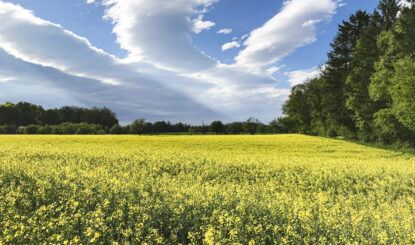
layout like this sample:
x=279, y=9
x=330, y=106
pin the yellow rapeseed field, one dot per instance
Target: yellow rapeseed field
x=289, y=189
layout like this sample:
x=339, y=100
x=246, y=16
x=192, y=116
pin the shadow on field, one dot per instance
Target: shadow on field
x=395, y=148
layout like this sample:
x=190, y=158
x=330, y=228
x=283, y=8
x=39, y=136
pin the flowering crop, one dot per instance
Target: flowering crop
x=289, y=189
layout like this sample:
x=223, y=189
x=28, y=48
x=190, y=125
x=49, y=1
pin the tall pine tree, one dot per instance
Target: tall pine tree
x=362, y=68
x=338, y=116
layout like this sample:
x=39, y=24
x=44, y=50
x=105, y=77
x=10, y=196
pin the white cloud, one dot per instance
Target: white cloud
x=90, y=1
x=301, y=76
x=293, y=27
x=151, y=39
x=6, y=79
x=205, y=80
x=50, y=44
x=273, y=69
x=200, y=25
x=71, y=63
x=161, y=60
x=239, y=93
x=230, y=45
x=311, y=22
x=158, y=31
x=225, y=31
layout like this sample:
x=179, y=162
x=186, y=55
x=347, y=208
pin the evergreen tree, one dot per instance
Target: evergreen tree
x=389, y=10
x=362, y=68
x=368, y=86
x=338, y=117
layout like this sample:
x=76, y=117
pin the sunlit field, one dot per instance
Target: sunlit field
x=203, y=189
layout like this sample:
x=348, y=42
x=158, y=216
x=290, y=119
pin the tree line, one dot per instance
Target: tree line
x=250, y=126
x=24, y=117
x=27, y=118
x=366, y=90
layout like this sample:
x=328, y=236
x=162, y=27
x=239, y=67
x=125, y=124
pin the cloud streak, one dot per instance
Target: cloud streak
x=224, y=31
x=301, y=76
x=230, y=45
x=164, y=76
x=158, y=32
x=293, y=27
x=200, y=25
x=231, y=87
x=85, y=72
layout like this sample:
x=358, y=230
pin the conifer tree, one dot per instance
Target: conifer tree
x=338, y=117
x=358, y=100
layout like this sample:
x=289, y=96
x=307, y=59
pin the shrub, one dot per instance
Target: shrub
x=8, y=129
x=116, y=129
x=31, y=129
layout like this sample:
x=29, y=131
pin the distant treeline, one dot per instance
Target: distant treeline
x=24, y=114
x=250, y=126
x=27, y=118
x=367, y=88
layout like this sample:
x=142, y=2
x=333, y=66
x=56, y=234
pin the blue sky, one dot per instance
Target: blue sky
x=166, y=60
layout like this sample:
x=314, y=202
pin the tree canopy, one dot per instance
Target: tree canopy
x=367, y=88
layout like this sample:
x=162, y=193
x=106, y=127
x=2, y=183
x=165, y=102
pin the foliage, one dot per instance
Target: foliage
x=250, y=126
x=8, y=129
x=365, y=55
x=64, y=128
x=217, y=127
x=403, y=92
x=33, y=119
x=25, y=114
x=234, y=128
x=338, y=118
x=287, y=189
x=366, y=90
x=138, y=126
x=116, y=129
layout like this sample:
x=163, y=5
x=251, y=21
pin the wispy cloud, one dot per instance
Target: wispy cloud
x=85, y=72
x=224, y=31
x=301, y=76
x=6, y=79
x=294, y=26
x=230, y=45
x=164, y=76
x=200, y=25
x=158, y=32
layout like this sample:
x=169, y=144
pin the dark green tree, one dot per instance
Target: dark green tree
x=362, y=68
x=338, y=117
x=403, y=92
x=251, y=125
x=391, y=79
x=389, y=10
x=217, y=127
x=304, y=107
x=116, y=129
x=298, y=109
x=138, y=126
x=234, y=128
